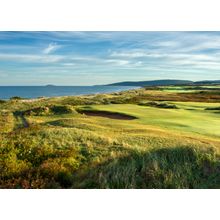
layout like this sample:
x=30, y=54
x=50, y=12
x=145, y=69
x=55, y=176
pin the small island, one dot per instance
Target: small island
x=50, y=85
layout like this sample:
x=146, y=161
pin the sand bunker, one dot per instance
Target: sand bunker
x=105, y=114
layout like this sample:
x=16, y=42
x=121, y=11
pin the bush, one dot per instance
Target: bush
x=15, y=98
x=47, y=110
x=212, y=108
x=65, y=179
x=159, y=105
x=62, y=109
x=39, y=111
x=2, y=101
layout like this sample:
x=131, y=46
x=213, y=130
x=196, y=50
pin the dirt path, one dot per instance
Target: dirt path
x=105, y=114
x=22, y=121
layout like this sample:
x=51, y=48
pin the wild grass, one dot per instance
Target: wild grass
x=6, y=121
x=63, y=148
x=158, y=105
x=176, y=167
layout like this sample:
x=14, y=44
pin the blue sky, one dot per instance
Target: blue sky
x=88, y=58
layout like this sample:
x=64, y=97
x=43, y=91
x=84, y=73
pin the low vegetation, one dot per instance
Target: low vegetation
x=172, y=141
x=159, y=105
x=213, y=108
x=2, y=101
x=6, y=121
x=194, y=168
x=50, y=110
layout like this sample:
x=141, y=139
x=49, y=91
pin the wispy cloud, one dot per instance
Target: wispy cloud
x=117, y=62
x=51, y=48
x=111, y=56
x=30, y=58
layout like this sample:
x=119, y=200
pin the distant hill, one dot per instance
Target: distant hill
x=164, y=82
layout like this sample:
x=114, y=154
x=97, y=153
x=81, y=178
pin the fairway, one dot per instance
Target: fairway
x=195, y=120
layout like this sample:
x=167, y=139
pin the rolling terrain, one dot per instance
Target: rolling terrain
x=157, y=137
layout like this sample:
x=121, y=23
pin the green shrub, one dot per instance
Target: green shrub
x=48, y=110
x=2, y=101
x=213, y=108
x=65, y=179
x=39, y=111
x=62, y=109
x=159, y=105
x=15, y=98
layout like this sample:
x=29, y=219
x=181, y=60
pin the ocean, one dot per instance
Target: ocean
x=6, y=92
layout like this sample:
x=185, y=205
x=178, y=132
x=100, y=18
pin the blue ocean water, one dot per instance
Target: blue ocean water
x=7, y=92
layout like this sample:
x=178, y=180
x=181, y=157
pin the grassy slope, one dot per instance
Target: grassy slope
x=194, y=120
x=163, y=148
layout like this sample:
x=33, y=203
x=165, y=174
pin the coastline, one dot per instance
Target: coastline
x=60, y=89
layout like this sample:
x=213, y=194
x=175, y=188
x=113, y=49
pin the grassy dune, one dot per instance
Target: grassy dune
x=51, y=143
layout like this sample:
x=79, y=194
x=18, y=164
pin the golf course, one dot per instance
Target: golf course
x=153, y=137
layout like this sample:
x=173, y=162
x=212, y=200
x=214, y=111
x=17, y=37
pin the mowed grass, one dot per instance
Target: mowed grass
x=161, y=148
x=191, y=117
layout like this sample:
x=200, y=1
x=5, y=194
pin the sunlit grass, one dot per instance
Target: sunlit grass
x=161, y=148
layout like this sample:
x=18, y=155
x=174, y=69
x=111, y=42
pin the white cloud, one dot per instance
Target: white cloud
x=129, y=54
x=51, y=48
x=117, y=62
x=167, y=44
x=31, y=58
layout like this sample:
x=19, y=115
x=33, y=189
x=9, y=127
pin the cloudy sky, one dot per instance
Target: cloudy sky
x=88, y=58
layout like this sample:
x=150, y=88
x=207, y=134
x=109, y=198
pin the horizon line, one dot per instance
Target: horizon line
x=121, y=82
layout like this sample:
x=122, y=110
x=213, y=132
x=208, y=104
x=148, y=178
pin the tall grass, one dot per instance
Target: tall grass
x=60, y=157
x=61, y=148
x=176, y=167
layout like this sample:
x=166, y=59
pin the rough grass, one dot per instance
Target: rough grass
x=158, y=105
x=6, y=121
x=179, y=167
x=69, y=156
x=51, y=109
x=160, y=148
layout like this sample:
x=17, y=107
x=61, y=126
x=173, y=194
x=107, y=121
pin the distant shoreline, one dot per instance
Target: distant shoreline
x=44, y=92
